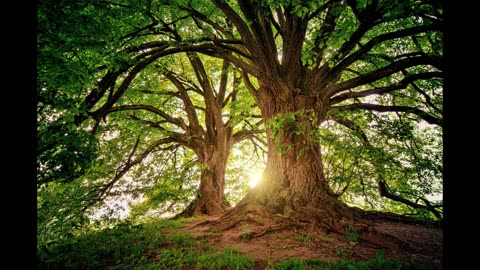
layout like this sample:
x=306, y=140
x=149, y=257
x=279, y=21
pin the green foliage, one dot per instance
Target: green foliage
x=351, y=234
x=407, y=156
x=305, y=238
x=228, y=258
x=60, y=215
x=176, y=183
x=124, y=245
x=246, y=235
x=291, y=264
x=64, y=152
x=298, y=123
x=182, y=239
x=343, y=251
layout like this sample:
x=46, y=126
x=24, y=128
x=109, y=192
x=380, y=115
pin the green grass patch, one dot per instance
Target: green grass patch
x=174, y=223
x=305, y=238
x=182, y=239
x=351, y=234
x=229, y=258
x=147, y=246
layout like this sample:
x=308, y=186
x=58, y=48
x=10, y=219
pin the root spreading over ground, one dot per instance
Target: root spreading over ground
x=310, y=233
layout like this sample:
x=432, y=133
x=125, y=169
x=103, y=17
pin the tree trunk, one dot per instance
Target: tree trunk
x=293, y=193
x=210, y=198
x=293, y=185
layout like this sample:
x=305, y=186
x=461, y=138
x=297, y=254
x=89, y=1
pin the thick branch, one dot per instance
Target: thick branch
x=245, y=134
x=383, y=108
x=196, y=14
x=149, y=108
x=379, y=73
x=381, y=38
x=213, y=114
x=237, y=21
x=222, y=89
x=382, y=90
x=188, y=105
x=385, y=192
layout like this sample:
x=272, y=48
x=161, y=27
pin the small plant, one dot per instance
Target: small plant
x=214, y=231
x=246, y=235
x=270, y=265
x=229, y=258
x=305, y=238
x=343, y=252
x=170, y=259
x=297, y=264
x=351, y=234
x=207, y=248
x=182, y=239
x=174, y=223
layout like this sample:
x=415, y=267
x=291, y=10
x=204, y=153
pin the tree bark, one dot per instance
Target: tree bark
x=293, y=184
x=213, y=157
x=210, y=198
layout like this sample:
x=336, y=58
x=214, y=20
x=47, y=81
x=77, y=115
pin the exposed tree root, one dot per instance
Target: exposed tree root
x=362, y=223
x=375, y=215
x=403, y=244
x=269, y=229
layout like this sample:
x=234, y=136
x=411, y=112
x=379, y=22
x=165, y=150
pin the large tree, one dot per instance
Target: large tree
x=87, y=76
x=309, y=61
x=192, y=108
x=304, y=63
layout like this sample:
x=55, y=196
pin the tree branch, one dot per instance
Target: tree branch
x=382, y=90
x=122, y=170
x=245, y=134
x=188, y=105
x=149, y=108
x=382, y=185
x=383, y=108
x=379, y=73
x=333, y=73
x=241, y=26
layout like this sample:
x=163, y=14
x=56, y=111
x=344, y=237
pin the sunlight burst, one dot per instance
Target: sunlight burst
x=254, y=178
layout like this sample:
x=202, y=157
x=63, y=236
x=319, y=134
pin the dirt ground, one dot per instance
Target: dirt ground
x=411, y=243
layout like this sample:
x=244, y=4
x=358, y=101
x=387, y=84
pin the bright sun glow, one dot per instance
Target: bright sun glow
x=255, y=177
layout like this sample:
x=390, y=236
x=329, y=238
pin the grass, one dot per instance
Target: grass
x=305, y=238
x=154, y=246
x=246, y=235
x=378, y=263
x=351, y=234
x=182, y=239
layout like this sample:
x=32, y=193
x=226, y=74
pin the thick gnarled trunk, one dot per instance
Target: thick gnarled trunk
x=293, y=184
x=210, y=198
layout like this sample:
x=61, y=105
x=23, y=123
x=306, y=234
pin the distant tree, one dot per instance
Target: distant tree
x=185, y=106
x=109, y=100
